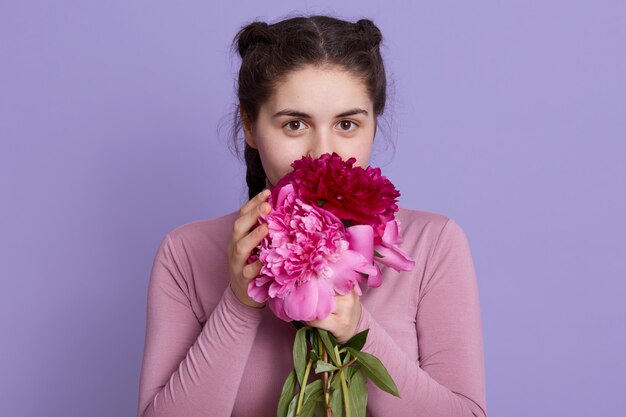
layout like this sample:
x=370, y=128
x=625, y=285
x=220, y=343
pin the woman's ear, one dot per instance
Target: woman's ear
x=247, y=129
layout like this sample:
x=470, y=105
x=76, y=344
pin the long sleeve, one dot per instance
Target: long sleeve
x=448, y=379
x=189, y=369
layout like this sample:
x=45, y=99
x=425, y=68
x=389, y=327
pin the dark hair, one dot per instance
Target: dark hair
x=270, y=51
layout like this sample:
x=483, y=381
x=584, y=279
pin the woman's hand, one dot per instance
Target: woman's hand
x=243, y=240
x=343, y=320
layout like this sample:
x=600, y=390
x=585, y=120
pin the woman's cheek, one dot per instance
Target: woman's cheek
x=276, y=169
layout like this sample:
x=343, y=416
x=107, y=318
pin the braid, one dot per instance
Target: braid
x=255, y=174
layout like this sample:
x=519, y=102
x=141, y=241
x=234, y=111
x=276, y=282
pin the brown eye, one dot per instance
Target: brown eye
x=295, y=125
x=346, y=125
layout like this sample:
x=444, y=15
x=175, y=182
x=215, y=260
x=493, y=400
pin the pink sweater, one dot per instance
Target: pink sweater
x=207, y=354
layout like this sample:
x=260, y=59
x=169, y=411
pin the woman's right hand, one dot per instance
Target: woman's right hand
x=243, y=240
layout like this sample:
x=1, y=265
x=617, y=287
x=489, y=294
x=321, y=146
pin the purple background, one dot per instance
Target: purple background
x=509, y=117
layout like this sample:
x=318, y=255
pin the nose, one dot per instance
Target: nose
x=320, y=144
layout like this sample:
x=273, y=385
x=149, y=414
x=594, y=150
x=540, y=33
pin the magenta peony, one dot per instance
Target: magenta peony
x=307, y=259
x=356, y=195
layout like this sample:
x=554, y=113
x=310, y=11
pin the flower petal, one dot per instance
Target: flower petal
x=283, y=193
x=347, y=271
x=258, y=292
x=391, y=235
x=277, y=305
x=394, y=257
x=312, y=300
x=374, y=280
x=361, y=239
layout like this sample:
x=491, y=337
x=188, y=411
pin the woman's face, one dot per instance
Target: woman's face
x=313, y=111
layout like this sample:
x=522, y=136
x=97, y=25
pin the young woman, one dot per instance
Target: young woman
x=308, y=86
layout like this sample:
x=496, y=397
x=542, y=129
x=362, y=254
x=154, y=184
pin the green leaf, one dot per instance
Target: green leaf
x=351, y=370
x=336, y=403
x=335, y=383
x=358, y=340
x=346, y=357
x=308, y=407
x=312, y=393
x=287, y=394
x=377, y=254
x=313, y=389
x=328, y=344
x=320, y=408
x=358, y=394
x=313, y=355
x=376, y=371
x=299, y=353
x=298, y=324
x=312, y=335
x=291, y=412
x=322, y=366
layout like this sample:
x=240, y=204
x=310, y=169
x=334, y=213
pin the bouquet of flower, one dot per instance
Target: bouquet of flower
x=330, y=227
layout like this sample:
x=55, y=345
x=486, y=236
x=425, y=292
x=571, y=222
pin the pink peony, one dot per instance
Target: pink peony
x=306, y=260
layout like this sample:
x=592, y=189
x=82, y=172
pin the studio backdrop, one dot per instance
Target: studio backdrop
x=115, y=117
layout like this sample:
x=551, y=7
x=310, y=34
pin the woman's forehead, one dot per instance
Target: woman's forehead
x=319, y=90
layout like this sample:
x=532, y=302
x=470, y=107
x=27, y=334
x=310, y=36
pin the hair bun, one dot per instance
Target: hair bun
x=371, y=32
x=251, y=35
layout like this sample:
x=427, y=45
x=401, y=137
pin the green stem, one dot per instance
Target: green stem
x=304, y=382
x=347, y=365
x=344, y=386
x=324, y=355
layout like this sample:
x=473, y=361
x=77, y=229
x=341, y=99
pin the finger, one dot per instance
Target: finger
x=252, y=270
x=255, y=201
x=327, y=324
x=322, y=323
x=244, y=224
x=244, y=246
x=315, y=323
x=347, y=297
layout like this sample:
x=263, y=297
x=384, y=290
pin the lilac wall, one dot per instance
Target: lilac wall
x=509, y=117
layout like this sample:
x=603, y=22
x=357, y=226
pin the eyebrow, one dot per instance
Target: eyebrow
x=295, y=113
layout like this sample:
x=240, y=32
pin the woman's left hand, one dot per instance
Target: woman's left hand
x=343, y=320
